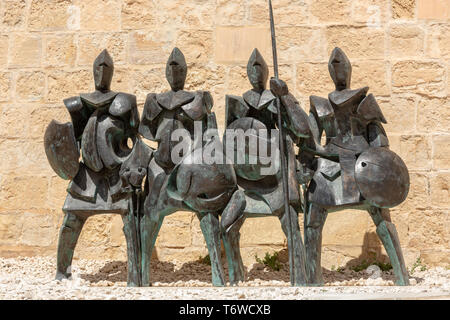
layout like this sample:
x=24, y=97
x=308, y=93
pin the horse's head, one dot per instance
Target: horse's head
x=134, y=169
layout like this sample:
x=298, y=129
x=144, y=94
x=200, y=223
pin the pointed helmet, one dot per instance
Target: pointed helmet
x=257, y=70
x=340, y=69
x=176, y=70
x=103, y=71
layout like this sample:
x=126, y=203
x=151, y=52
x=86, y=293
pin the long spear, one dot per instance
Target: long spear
x=282, y=150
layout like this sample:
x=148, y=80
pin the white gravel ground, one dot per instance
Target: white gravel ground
x=33, y=278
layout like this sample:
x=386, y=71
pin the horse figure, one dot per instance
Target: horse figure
x=187, y=184
x=260, y=193
x=354, y=169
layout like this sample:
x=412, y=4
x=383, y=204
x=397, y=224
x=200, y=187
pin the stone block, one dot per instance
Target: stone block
x=299, y=44
x=415, y=150
x=357, y=42
x=30, y=86
x=96, y=232
x=91, y=44
x=262, y=231
x=372, y=13
x=406, y=40
x=433, y=9
x=400, y=113
x=231, y=12
x=440, y=189
x=346, y=228
x=60, y=50
x=323, y=11
x=198, y=14
x=100, y=15
x=14, y=14
x=10, y=227
x=313, y=79
x=419, y=194
x=147, y=80
x=438, y=44
x=50, y=15
x=421, y=77
x=176, y=231
x=428, y=229
x=287, y=12
x=378, y=81
x=38, y=229
x=24, y=192
x=234, y=45
x=441, y=152
x=403, y=9
x=196, y=45
x=25, y=156
x=5, y=86
x=151, y=47
x=4, y=44
x=433, y=115
x=25, y=51
x=139, y=13
x=65, y=84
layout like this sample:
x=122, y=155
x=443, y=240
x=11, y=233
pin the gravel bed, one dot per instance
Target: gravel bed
x=33, y=278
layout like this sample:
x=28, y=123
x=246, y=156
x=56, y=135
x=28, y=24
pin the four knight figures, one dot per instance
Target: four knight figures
x=112, y=170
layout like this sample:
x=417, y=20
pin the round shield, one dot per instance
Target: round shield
x=61, y=149
x=248, y=143
x=203, y=187
x=382, y=177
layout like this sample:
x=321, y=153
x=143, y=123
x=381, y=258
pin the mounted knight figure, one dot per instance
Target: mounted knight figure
x=187, y=184
x=103, y=125
x=354, y=169
x=260, y=190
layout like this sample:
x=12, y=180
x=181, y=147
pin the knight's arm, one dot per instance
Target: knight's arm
x=369, y=110
x=235, y=108
x=149, y=120
x=296, y=121
x=79, y=113
x=294, y=117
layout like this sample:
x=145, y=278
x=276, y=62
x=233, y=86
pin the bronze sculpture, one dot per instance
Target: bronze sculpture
x=354, y=169
x=102, y=123
x=259, y=194
x=189, y=185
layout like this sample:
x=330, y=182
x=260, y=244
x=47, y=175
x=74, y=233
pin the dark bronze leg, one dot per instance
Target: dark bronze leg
x=314, y=221
x=68, y=237
x=231, y=222
x=298, y=270
x=209, y=223
x=388, y=235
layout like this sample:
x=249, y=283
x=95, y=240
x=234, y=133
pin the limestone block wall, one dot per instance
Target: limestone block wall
x=400, y=48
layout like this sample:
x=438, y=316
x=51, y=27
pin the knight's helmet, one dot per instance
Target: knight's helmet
x=340, y=69
x=257, y=71
x=176, y=70
x=103, y=71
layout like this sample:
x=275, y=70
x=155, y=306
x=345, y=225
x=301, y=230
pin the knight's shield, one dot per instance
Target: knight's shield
x=61, y=149
x=382, y=177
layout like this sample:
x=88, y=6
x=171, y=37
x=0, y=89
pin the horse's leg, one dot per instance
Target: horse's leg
x=297, y=251
x=230, y=223
x=315, y=217
x=68, y=237
x=150, y=227
x=388, y=234
x=132, y=238
x=209, y=223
